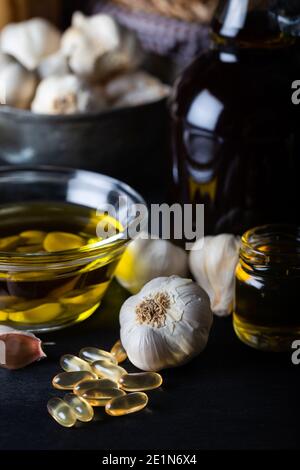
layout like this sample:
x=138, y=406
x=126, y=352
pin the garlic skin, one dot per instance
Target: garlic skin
x=18, y=85
x=166, y=324
x=20, y=348
x=67, y=95
x=146, y=259
x=213, y=267
x=30, y=41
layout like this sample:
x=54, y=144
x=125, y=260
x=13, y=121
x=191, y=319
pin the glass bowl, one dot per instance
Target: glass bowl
x=62, y=234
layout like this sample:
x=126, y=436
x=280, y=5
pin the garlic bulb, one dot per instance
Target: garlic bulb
x=135, y=88
x=30, y=41
x=146, y=259
x=18, y=85
x=67, y=95
x=53, y=65
x=19, y=348
x=213, y=266
x=166, y=324
x=97, y=48
x=101, y=29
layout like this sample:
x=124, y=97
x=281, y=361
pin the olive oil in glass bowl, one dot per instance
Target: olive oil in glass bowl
x=54, y=266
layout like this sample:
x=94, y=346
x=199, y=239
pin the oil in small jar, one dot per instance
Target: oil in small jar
x=59, y=279
x=267, y=288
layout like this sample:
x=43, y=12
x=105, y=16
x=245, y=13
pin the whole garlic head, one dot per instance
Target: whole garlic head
x=97, y=48
x=166, y=324
x=101, y=29
x=67, y=95
x=18, y=85
x=213, y=262
x=146, y=259
x=30, y=41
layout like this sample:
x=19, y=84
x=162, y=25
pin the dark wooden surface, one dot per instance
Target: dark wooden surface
x=230, y=397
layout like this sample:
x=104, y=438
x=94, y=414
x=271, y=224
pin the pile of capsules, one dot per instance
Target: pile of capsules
x=96, y=379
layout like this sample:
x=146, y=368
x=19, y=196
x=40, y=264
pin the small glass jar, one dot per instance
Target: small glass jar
x=266, y=308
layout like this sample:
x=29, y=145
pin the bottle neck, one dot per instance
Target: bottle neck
x=248, y=23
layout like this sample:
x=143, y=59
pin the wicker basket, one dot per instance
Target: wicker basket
x=19, y=10
x=187, y=10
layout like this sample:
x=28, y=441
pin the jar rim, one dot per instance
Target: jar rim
x=272, y=235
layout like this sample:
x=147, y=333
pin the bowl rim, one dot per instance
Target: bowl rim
x=29, y=115
x=93, y=249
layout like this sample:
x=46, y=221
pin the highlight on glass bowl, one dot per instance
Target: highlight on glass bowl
x=62, y=234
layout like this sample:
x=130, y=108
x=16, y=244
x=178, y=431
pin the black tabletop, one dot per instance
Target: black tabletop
x=230, y=397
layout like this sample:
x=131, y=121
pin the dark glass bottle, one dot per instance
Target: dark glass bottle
x=235, y=142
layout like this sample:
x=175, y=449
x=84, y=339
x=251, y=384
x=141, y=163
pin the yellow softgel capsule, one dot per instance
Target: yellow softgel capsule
x=118, y=352
x=70, y=363
x=61, y=412
x=9, y=243
x=107, y=370
x=80, y=407
x=30, y=249
x=94, y=354
x=33, y=237
x=127, y=404
x=27, y=312
x=140, y=382
x=62, y=241
x=98, y=392
x=69, y=380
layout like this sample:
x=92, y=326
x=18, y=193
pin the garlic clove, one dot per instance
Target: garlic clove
x=166, y=324
x=146, y=259
x=19, y=85
x=67, y=95
x=18, y=348
x=30, y=41
x=213, y=266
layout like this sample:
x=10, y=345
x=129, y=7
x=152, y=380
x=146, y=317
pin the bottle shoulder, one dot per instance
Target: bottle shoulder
x=224, y=83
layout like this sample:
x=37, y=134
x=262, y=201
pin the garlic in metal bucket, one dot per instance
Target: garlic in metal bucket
x=146, y=259
x=30, y=41
x=212, y=262
x=67, y=94
x=166, y=324
x=17, y=83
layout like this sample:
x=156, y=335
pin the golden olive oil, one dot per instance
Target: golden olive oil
x=266, y=315
x=51, y=272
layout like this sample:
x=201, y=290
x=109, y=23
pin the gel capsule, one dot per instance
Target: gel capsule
x=61, y=241
x=106, y=370
x=98, y=392
x=119, y=352
x=70, y=363
x=94, y=354
x=69, y=380
x=33, y=237
x=80, y=407
x=140, y=382
x=127, y=404
x=61, y=412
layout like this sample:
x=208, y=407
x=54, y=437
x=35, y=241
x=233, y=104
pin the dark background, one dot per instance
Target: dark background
x=230, y=397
